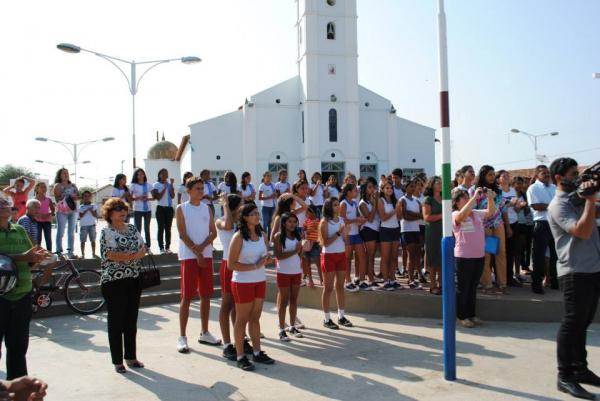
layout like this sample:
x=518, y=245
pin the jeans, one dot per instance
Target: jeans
x=137, y=221
x=123, y=302
x=580, y=292
x=542, y=240
x=468, y=272
x=14, y=330
x=526, y=235
x=512, y=253
x=267, y=216
x=164, y=218
x=499, y=260
x=70, y=222
x=45, y=228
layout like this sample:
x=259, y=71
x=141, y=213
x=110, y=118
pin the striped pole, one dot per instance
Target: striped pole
x=449, y=297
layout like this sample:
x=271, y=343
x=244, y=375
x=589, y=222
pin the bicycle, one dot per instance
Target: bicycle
x=81, y=288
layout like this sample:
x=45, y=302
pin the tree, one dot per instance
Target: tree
x=7, y=172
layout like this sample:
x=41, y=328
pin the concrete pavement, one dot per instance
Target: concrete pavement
x=382, y=358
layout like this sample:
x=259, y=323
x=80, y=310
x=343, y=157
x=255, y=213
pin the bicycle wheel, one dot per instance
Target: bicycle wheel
x=83, y=294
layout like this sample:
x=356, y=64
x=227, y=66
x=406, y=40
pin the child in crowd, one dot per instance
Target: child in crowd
x=44, y=218
x=19, y=193
x=282, y=186
x=88, y=214
x=311, y=234
x=288, y=246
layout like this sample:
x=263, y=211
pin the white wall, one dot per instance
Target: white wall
x=416, y=142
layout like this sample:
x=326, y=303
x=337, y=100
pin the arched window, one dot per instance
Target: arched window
x=332, y=125
x=331, y=30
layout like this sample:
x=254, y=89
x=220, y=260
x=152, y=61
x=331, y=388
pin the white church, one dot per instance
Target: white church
x=319, y=120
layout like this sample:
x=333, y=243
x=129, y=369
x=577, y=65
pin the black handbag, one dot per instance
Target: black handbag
x=149, y=273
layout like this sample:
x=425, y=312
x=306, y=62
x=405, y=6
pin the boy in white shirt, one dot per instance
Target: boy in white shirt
x=88, y=215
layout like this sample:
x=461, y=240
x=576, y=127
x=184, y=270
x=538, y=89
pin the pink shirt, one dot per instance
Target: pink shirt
x=45, y=213
x=469, y=235
x=20, y=200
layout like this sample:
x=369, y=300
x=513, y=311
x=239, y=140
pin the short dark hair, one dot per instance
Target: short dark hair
x=560, y=167
x=189, y=184
x=86, y=192
x=22, y=181
x=233, y=200
x=398, y=172
x=457, y=196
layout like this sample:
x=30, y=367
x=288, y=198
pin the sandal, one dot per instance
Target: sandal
x=135, y=364
x=120, y=369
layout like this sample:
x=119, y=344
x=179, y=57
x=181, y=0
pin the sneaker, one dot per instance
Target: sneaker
x=168, y=252
x=295, y=332
x=350, y=287
x=344, y=322
x=263, y=358
x=388, y=287
x=417, y=285
x=330, y=325
x=163, y=252
x=477, y=321
x=230, y=353
x=397, y=285
x=467, y=323
x=356, y=281
x=283, y=336
x=364, y=287
x=208, y=339
x=182, y=345
x=244, y=364
x=299, y=325
x=248, y=350
x=374, y=285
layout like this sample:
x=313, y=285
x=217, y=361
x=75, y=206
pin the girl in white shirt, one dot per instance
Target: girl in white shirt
x=369, y=232
x=246, y=189
x=182, y=194
x=267, y=195
x=121, y=191
x=332, y=233
x=282, y=186
x=411, y=214
x=389, y=234
x=349, y=213
x=332, y=189
x=248, y=257
x=141, y=195
x=288, y=247
x=317, y=193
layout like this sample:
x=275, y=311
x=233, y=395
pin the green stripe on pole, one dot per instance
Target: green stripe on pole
x=446, y=182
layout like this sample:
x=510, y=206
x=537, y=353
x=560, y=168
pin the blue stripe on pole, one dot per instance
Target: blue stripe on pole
x=449, y=308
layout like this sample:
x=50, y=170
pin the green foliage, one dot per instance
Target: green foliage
x=8, y=171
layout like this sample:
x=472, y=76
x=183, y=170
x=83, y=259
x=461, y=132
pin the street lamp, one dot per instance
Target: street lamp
x=533, y=138
x=75, y=151
x=59, y=164
x=132, y=81
x=596, y=75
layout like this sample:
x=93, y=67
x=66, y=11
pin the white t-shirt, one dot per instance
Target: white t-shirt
x=251, y=253
x=118, y=193
x=282, y=187
x=337, y=246
x=301, y=216
x=182, y=190
x=224, y=188
x=412, y=205
x=317, y=199
x=197, y=227
x=333, y=192
x=267, y=190
x=165, y=199
x=245, y=192
x=398, y=193
x=351, y=214
x=88, y=219
x=392, y=222
x=540, y=193
x=138, y=190
x=209, y=190
x=510, y=210
x=291, y=265
x=373, y=225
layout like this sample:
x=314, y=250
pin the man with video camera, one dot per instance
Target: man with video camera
x=572, y=218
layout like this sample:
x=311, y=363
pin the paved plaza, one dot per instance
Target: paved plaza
x=382, y=358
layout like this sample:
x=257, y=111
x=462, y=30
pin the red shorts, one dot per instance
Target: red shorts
x=196, y=279
x=225, y=276
x=333, y=262
x=247, y=292
x=288, y=280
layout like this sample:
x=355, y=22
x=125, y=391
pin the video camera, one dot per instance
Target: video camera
x=589, y=174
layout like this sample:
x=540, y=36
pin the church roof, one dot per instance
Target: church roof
x=162, y=150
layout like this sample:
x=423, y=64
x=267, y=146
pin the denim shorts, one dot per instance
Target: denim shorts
x=355, y=239
x=314, y=253
x=87, y=232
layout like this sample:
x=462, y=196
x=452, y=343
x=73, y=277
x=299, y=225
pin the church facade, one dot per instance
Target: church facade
x=320, y=120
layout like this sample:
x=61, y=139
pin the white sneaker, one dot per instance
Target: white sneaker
x=208, y=339
x=299, y=325
x=182, y=345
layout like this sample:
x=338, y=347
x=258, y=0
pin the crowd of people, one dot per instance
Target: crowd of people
x=500, y=224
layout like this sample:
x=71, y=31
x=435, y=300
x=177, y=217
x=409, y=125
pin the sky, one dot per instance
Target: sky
x=523, y=64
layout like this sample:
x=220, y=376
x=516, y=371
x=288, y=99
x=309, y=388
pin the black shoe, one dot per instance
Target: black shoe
x=514, y=283
x=574, y=389
x=537, y=289
x=587, y=377
x=248, y=350
x=263, y=358
x=244, y=364
x=344, y=322
x=230, y=353
x=330, y=325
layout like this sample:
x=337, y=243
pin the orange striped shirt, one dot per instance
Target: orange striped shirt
x=311, y=227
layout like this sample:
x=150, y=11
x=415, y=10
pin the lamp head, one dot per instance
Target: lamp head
x=514, y=130
x=108, y=139
x=190, y=60
x=553, y=133
x=41, y=139
x=68, y=47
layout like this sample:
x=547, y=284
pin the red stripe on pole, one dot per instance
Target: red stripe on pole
x=444, y=109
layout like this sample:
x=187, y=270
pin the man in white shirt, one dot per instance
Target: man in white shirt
x=210, y=191
x=539, y=195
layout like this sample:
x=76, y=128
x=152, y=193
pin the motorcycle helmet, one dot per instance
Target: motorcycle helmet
x=8, y=274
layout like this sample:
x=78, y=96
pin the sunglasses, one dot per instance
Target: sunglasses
x=120, y=209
